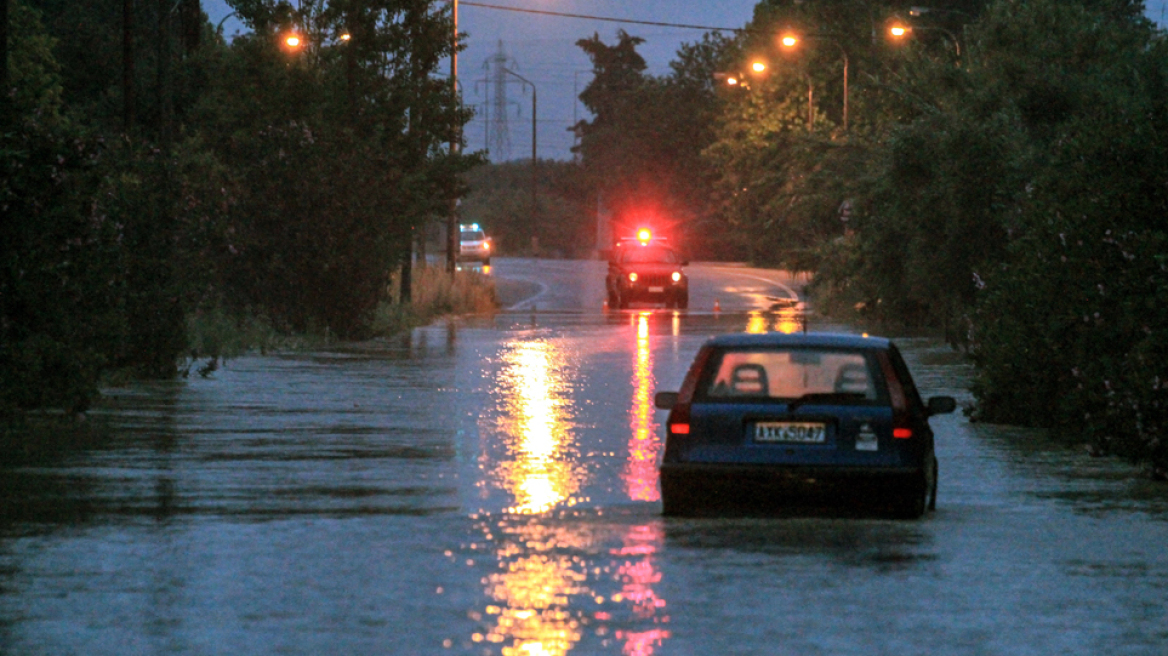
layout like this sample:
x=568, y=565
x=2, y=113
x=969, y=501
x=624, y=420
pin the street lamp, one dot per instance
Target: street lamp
x=900, y=31
x=792, y=40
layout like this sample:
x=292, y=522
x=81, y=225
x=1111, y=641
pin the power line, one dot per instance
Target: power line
x=603, y=18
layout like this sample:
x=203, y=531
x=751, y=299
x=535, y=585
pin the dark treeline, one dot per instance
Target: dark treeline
x=1001, y=174
x=156, y=176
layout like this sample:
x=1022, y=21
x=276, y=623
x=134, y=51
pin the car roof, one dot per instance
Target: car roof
x=810, y=340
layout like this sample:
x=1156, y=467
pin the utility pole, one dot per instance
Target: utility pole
x=500, y=138
x=127, y=64
x=452, y=219
x=4, y=52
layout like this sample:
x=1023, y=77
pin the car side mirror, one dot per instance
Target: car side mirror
x=941, y=405
x=665, y=400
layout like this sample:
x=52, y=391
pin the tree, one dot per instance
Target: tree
x=58, y=269
x=642, y=150
x=340, y=150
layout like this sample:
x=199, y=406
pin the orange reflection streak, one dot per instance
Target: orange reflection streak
x=785, y=320
x=531, y=591
x=756, y=322
x=789, y=321
x=539, y=472
x=640, y=474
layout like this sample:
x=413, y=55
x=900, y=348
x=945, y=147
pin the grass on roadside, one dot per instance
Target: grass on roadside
x=434, y=293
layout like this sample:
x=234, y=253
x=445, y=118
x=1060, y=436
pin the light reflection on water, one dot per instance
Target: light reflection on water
x=640, y=473
x=535, y=579
x=554, y=581
x=539, y=469
x=335, y=504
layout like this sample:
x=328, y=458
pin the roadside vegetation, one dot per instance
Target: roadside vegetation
x=170, y=198
x=1000, y=174
x=1003, y=177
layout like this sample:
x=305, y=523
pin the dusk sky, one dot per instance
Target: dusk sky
x=543, y=49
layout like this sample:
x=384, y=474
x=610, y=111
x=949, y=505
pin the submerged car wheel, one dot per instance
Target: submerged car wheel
x=936, y=482
x=676, y=499
x=913, y=501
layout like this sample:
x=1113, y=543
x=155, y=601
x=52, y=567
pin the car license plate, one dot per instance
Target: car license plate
x=799, y=432
x=656, y=290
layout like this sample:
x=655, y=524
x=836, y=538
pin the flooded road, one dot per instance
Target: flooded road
x=489, y=487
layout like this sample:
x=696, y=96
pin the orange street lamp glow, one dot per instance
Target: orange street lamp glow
x=790, y=41
x=898, y=31
x=758, y=67
x=293, y=41
x=346, y=36
x=732, y=81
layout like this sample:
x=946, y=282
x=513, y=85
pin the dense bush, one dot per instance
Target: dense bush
x=155, y=201
x=1015, y=195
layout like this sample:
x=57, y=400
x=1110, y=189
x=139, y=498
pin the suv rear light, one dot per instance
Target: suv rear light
x=902, y=433
x=633, y=277
x=676, y=276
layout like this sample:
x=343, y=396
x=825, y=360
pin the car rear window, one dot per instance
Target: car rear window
x=648, y=255
x=472, y=235
x=791, y=374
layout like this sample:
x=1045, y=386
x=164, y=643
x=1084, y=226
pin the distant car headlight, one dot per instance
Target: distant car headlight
x=676, y=276
x=633, y=277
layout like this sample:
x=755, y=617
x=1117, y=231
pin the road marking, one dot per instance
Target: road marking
x=792, y=294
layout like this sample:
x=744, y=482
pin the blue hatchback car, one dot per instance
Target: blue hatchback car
x=764, y=422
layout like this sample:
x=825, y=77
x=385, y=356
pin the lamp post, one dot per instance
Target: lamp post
x=534, y=142
x=791, y=40
x=902, y=31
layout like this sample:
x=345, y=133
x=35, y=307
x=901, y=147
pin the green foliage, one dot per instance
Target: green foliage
x=1073, y=317
x=338, y=151
x=1015, y=195
x=642, y=150
x=224, y=181
x=58, y=268
x=500, y=200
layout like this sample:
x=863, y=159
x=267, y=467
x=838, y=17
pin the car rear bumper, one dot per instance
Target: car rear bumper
x=474, y=254
x=689, y=488
x=651, y=292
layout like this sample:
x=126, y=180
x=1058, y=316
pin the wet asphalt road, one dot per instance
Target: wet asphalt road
x=488, y=486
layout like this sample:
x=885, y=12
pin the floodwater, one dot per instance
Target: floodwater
x=490, y=487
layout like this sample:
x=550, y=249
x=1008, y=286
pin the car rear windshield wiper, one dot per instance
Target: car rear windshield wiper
x=834, y=398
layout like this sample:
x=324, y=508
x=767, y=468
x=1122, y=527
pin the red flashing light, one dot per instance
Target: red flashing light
x=679, y=429
x=902, y=433
x=644, y=235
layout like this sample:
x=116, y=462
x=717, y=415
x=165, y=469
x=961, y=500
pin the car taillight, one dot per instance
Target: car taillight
x=633, y=277
x=676, y=276
x=899, y=400
x=679, y=416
